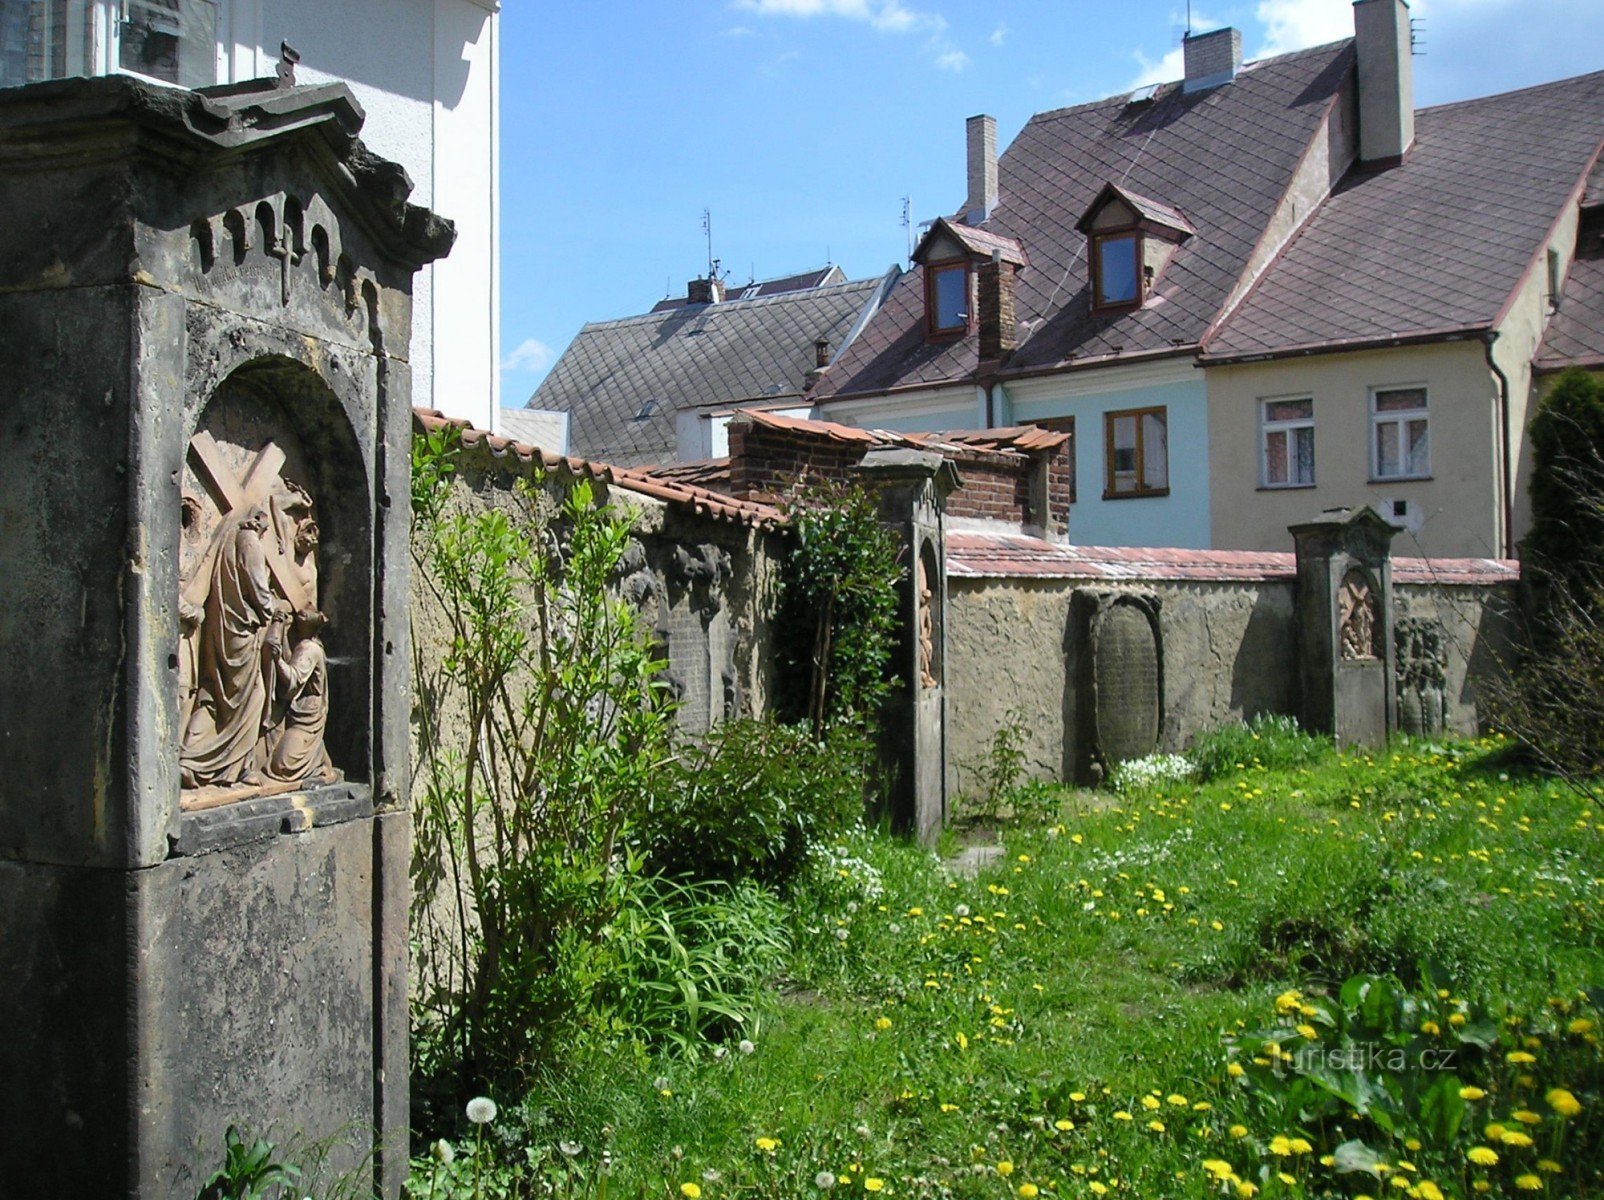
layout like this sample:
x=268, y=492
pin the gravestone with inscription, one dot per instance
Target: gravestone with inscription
x=912, y=487
x=205, y=309
x=1121, y=678
x=1345, y=625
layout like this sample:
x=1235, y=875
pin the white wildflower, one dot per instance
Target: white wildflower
x=481, y=1110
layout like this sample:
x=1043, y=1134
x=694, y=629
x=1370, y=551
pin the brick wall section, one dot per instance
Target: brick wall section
x=999, y=332
x=765, y=462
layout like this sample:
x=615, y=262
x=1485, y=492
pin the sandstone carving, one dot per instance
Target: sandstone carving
x=1357, y=618
x=927, y=630
x=253, y=678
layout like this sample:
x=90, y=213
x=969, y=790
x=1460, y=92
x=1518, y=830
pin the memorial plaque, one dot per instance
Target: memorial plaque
x=1125, y=665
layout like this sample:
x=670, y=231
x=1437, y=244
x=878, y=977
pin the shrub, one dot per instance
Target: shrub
x=747, y=802
x=1269, y=740
x=996, y=771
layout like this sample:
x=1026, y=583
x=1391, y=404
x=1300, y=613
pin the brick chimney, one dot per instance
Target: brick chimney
x=1386, y=80
x=1212, y=58
x=982, y=140
x=999, y=331
x=821, y=360
x=704, y=291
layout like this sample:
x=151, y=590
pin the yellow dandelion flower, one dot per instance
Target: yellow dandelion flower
x=1218, y=1168
x=1176, y=1099
x=690, y=1191
x=1244, y=1188
x=1493, y=1132
x=1235, y=1070
x=1300, y=1146
x=1427, y=1190
x=1077, y=1097
x=1063, y=1126
x=1527, y=1117
x=1238, y=1131
x=768, y=1145
x=1520, y=1056
x=1562, y=1102
x=871, y=1184
x=1150, y=1102
x=1156, y=1126
x=1528, y=1183
x=1005, y=1168
x=1514, y=1137
x=1482, y=1156
x=1286, y=1177
x=949, y=1108
x=1471, y=1093
x=1430, y=1028
x=1122, y=1115
x=1280, y=1146
x=1580, y=1026
x=1308, y=1032
x=1098, y=1188
x=1549, y=1166
x=1028, y=1191
x=882, y=1022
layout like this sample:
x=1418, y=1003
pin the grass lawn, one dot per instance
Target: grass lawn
x=1090, y=1014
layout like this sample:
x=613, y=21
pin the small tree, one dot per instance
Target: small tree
x=1552, y=699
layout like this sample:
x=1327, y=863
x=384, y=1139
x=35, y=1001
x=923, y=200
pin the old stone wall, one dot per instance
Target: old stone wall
x=1017, y=654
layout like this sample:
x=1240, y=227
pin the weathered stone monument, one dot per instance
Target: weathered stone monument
x=205, y=307
x=1120, y=678
x=1345, y=625
x=911, y=487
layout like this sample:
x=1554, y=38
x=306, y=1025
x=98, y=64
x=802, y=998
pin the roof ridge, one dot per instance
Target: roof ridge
x=1532, y=87
x=727, y=305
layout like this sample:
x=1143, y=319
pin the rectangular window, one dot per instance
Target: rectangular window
x=175, y=41
x=1137, y=444
x=45, y=39
x=1117, y=270
x=1400, y=442
x=947, y=297
x=170, y=40
x=1286, y=442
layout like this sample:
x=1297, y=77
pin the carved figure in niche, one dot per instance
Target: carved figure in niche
x=253, y=682
x=230, y=713
x=927, y=630
x=301, y=706
x=1357, y=619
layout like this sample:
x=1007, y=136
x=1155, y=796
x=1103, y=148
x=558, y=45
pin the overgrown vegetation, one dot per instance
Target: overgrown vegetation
x=1066, y=1024
x=1553, y=697
x=838, y=601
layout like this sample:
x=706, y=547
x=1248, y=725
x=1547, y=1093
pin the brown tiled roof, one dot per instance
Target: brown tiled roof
x=1016, y=556
x=621, y=382
x=506, y=454
x=1575, y=333
x=1154, y=211
x=1432, y=247
x=981, y=242
x=1015, y=439
x=1224, y=157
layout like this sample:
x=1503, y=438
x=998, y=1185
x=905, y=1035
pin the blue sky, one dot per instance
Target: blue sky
x=802, y=124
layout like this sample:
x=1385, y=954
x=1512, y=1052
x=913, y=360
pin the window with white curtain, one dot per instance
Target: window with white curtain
x=1286, y=442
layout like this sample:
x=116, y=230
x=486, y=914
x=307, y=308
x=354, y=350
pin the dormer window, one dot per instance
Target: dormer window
x=947, y=297
x=952, y=254
x=1131, y=239
x=1116, y=269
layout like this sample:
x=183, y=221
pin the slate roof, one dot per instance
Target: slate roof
x=1575, y=333
x=534, y=427
x=622, y=381
x=981, y=242
x=1155, y=212
x=1436, y=245
x=508, y=455
x=1223, y=157
x=817, y=277
x=1018, y=556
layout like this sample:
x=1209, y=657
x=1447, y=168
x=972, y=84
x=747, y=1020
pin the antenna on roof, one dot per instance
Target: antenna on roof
x=907, y=223
x=707, y=228
x=1188, y=18
x=1417, y=36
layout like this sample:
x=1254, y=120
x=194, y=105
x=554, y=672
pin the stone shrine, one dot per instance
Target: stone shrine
x=205, y=305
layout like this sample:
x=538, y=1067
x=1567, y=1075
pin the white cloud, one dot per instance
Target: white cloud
x=885, y=16
x=532, y=355
x=999, y=35
x=1168, y=67
x=740, y=31
x=1298, y=24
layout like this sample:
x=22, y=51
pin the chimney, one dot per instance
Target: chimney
x=1386, y=80
x=982, y=139
x=821, y=360
x=1212, y=58
x=704, y=291
x=999, y=331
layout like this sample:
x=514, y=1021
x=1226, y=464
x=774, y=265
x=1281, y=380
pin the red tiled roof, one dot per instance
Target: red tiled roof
x=1015, y=556
x=511, y=455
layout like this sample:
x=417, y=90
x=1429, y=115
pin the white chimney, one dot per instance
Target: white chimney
x=1386, y=80
x=982, y=137
x=1211, y=58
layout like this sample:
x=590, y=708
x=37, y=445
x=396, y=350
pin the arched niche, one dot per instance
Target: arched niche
x=274, y=439
x=931, y=644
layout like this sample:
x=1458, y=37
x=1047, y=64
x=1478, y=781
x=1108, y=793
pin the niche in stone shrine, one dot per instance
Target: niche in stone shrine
x=274, y=612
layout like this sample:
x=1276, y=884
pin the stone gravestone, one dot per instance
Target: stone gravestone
x=1345, y=625
x=205, y=308
x=1121, y=678
x=912, y=487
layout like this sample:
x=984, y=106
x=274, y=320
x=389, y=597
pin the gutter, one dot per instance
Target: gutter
x=1507, y=483
x=1457, y=333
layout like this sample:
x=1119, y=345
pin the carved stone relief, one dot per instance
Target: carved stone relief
x=253, y=672
x=1422, y=658
x=1358, y=619
x=929, y=667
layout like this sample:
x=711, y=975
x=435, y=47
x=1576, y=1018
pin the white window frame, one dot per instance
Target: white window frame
x=102, y=20
x=1402, y=418
x=1289, y=426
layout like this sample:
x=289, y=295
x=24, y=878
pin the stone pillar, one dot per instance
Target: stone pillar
x=912, y=487
x=205, y=308
x=1345, y=625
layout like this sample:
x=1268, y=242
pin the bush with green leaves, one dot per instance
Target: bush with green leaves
x=838, y=599
x=1269, y=740
x=747, y=801
x=540, y=730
